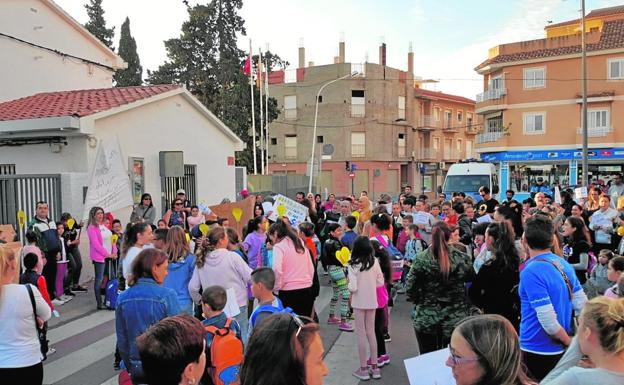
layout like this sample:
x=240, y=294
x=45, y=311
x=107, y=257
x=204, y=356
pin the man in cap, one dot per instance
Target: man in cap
x=539, y=186
x=181, y=195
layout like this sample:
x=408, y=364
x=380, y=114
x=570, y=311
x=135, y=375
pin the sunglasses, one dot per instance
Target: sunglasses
x=147, y=199
x=457, y=361
x=178, y=203
x=301, y=322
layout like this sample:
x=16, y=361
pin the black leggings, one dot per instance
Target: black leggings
x=49, y=273
x=75, y=267
x=26, y=375
x=380, y=320
x=301, y=301
x=538, y=366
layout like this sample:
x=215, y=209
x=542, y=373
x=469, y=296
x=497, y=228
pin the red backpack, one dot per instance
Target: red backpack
x=226, y=355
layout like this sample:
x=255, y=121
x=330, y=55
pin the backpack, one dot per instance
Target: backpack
x=112, y=286
x=266, y=308
x=392, y=250
x=226, y=355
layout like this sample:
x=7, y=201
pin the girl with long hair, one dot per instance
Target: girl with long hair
x=254, y=239
x=216, y=265
x=235, y=243
x=135, y=238
x=101, y=247
x=365, y=276
x=180, y=268
x=491, y=290
x=293, y=269
x=381, y=313
x=338, y=278
x=577, y=246
x=435, y=284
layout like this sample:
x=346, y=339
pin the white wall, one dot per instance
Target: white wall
x=39, y=158
x=172, y=124
x=28, y=70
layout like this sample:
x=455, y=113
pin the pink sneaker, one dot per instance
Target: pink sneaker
x=383, y=360
x=376, y=373
x=379, y=364
x=362, y=374
x=345, y=327
x=333, y=321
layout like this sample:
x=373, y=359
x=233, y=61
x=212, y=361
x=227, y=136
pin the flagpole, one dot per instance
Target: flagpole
x=266, y=102
x=253, y=113
x=262, y=159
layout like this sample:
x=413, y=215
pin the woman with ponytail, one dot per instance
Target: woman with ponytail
x=216, y=265
x=136, y=237
x=435, y=284
x=491, y=290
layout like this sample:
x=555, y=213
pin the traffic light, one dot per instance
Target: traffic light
x=347, y=166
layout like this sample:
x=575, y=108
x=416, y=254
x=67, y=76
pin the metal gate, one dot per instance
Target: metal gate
x=22, y=192
x=171, y=184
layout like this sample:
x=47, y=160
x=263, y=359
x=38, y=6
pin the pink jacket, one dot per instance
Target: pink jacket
x=293, y=270
x=97, y=252
x=363, y=285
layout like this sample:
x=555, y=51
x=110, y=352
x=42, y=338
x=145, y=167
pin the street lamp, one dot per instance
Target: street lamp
x=585, y=164
x=354, y=73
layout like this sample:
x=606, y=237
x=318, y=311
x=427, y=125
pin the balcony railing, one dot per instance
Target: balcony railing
x=427, y=121
x=490, y=136
x=358, y=150
x=596, y=132
x=453, y=155
x=494, y=93
x=358, y=110
x=429, y=153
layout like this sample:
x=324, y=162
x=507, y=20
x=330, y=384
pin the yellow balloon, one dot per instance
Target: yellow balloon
x=356, y=214
x=343, y=255
x=281, y=210
x=21, y=218
x=188, y=237
x=620, y=231
x=70, y=223
x=203, y=228
x=237, y=213
x=114, y=237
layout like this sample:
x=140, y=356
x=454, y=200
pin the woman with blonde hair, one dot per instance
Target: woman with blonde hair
x=20, y=353
x=181, y=266
x=365, y=213
x=484, y=349
x=600, y=336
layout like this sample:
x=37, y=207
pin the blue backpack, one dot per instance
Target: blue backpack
x=266, y=308
x=394, y=253
x=110, y=298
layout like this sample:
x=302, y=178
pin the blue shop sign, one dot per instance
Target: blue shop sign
x=594, y=153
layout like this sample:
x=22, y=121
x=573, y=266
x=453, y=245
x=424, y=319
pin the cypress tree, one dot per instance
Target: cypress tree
x=131, y=76
x=97, y=25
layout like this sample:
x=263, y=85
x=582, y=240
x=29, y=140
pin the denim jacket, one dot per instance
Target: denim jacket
x=139, y=307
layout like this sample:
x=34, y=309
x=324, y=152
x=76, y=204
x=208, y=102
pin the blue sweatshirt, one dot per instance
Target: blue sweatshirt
x=178, y=277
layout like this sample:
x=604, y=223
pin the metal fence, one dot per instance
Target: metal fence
x=22, y=192
x=188, y=182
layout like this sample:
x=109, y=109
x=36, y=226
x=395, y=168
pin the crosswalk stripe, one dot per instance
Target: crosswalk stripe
x=73, y=362
x=79, y=325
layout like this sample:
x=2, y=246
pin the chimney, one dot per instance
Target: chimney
x=382, y=52
x=410, y=60
x=301, y=54
x=341, y=48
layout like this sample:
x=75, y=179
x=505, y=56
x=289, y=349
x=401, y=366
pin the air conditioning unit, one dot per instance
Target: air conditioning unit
x=441, y=165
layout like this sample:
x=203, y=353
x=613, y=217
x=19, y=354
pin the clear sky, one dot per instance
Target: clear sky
x=449, y=37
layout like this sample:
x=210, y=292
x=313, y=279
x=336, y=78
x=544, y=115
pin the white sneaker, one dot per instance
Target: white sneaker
x=51, y=351
x=66, y=298
x=58, y=302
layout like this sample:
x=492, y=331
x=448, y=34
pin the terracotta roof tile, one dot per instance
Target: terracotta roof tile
x=612, y=37
x=441, y=95
x=76, y=103
x=602, y=12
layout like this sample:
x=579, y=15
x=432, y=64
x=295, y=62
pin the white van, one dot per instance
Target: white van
x=468, y=177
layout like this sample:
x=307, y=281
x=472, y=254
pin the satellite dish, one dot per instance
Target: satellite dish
x=328, y=149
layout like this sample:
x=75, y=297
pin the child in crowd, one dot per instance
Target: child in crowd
x=365, y=276
x=306, y=233
x=235, y=244
x=161, y=224
x=349, y=235
x=262, y=284
x=160, y=238
x=213, y=302
x=615, y=270
x=598, y=281
x=413, y=246
x=61, y=266
x=381, y=313
x=31, y=247
x=266, y=253
x=620, y=286
x=403, y=237
x=338, y=279
x=118, y=230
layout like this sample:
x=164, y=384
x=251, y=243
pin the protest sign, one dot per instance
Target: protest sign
x=421, y=218
x=109, y=186
x=557, y=195
x=225, y=211
x=295, y=212
x=580, y=193
x=484, y=219
x=429, y=369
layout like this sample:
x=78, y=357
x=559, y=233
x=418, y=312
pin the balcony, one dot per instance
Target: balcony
x=358, y=110
x=489, y=137
x=426, y=123
x=430, y=154
x=453, y=155
x=491, y=94
x=596, y=132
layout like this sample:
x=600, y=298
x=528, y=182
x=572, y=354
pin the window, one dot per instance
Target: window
x=401, y=146
x=598, y=118
x=358, y=106
x=319, y=139
x=534, y=77
x=290, y=107
x=448, y=118
x=460, y=116
x=436, y=144
x=401, y=107
x=436, y=114
x=496, y=82
x=523, y=176
x=534, y=123
x=7, y=169
x=290, y=146
x=274, y=141
x=459, y=147
x=468, y=120
x=616, y=68
x=469, y=149
x=290, y=75
x=320, y=99
x=358, y=144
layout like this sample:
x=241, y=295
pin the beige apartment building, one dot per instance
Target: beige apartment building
x=376, y=120
x=531, y=104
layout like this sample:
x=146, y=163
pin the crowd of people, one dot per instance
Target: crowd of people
x=518, y=292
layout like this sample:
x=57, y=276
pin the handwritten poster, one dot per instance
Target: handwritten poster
x=295, y=212
x=429, y=369
x=109, y=186
x=580, y=193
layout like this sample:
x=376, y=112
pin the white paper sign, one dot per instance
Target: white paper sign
x=109, y=186
x=295, y=212
x=429, y=369
x=484, y=219
x=231, y=308
x=580, y=193
x=421, y=218
x=267, y=207
x=557, y=195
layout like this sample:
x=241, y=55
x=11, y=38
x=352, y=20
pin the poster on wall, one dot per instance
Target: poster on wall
x=137, y=178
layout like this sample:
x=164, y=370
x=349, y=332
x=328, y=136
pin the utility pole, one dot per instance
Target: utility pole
x=585, y=180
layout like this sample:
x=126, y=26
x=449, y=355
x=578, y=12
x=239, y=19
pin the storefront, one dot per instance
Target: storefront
x=519, y=170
